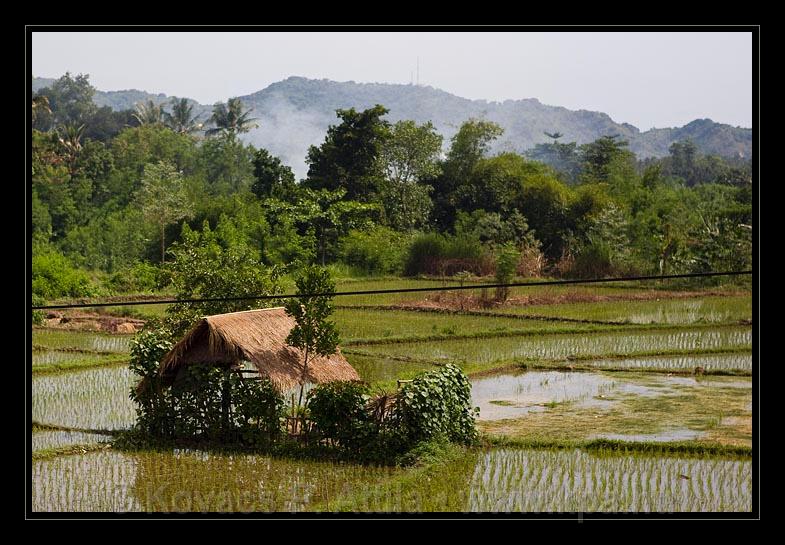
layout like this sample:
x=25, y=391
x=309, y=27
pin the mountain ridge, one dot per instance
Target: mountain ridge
x=295, y=113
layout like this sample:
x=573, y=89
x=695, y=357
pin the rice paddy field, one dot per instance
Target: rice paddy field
x=633, y=398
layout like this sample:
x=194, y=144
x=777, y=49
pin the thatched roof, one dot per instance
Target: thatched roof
x=259, y=337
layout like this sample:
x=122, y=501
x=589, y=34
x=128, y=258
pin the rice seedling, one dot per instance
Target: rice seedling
x=81, y=340
x=710, y=362
x=507, y=480
x=92, y=398
x=551, y=347
x=50, y=439
x=718, y=309
x=185, y=481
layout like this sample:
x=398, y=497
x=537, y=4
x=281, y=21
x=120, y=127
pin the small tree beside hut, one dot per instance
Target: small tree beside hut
x=313, y=333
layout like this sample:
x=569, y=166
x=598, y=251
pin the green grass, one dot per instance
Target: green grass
x=60, y=362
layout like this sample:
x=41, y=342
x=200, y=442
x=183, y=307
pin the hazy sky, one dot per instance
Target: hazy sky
x=646, y=79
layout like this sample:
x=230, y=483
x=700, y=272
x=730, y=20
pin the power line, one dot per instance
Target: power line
x=398, y=290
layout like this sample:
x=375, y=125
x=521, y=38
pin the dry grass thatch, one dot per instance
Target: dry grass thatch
x=259, y=337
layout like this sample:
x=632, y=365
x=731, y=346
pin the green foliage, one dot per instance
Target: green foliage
x=326, y=215
x=136, y=147
x=339, y=412
x=376, y=251
x=437, y=404
x=271, y=177
x=492, y=229
x=38, y=315
x=225, y=164
x=257, y=411
x=411, y=157
x=154, y=407
x=70, y=102
x=163, y=198
x=216, y=264
x=506, y=265
x=138, y=278
x=181, y=119
x=313, y=332
x=349, y=158
x=598, y=157
x=563, y=158
x=434, y=253
x=231, y=118
x=54, y=276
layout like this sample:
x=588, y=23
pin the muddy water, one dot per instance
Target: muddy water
x=512, y=395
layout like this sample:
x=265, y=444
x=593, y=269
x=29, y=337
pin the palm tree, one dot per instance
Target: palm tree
x=149, y=114
x=70, y=138
x=231, y=118
x=40, y=104
x=181, y=119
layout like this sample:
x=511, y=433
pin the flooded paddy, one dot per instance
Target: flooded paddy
x=513, y=395
x=90, y=399
x=191, y=481
x=47, y=439
x=508, y=480
x=738, y=361
x=720, y=309
x=563, y=346
x=81, y=340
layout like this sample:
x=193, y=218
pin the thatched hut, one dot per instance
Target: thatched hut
x=258, y=337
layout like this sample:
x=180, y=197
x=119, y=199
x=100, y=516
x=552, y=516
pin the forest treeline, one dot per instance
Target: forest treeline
x=118, y=194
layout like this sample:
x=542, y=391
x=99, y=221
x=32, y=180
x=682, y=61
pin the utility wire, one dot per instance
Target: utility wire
x=399, y=290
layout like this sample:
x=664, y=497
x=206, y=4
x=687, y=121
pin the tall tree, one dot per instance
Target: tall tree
x=231, y=118
x=272, y=177
x=470, y=144
x=70, y=102
x=410, y=157
x=181, y=118
x=598, y=156
x=313, y=332
x=163, y=198
x=350, y=156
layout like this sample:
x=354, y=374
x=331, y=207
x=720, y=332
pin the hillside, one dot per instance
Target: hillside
x=295, y=113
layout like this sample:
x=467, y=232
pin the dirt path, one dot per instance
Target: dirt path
x=77, y=320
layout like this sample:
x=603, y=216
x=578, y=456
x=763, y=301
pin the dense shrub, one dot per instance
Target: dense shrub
x=38, y=315
x=379, y=250
x=437, y=404
x=139, y=278
x=54, y=276
x=592, y=261
x=338, y=410
x=433, y=253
